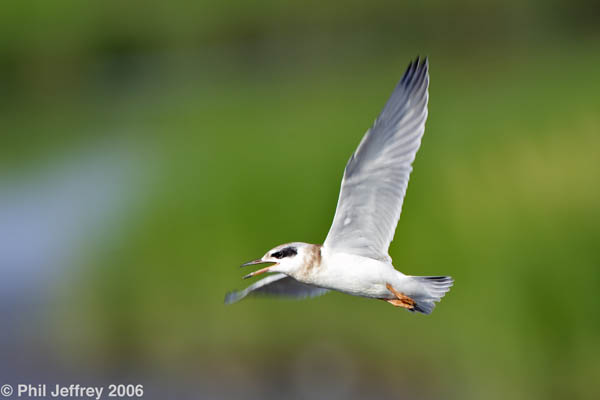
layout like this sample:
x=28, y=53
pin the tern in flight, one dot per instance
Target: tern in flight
x=354, y=258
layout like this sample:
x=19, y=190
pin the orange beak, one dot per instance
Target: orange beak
x=260, y=271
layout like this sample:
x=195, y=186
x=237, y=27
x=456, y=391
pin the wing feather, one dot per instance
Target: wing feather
x=277, y=285
x=377, y=174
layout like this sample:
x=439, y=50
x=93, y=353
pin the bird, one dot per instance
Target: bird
x=354, y=257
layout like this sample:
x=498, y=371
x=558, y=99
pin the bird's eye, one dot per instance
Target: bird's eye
x=277, y=255
x=287, y=252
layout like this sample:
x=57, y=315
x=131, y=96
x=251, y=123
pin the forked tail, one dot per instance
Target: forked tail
x=434, y=288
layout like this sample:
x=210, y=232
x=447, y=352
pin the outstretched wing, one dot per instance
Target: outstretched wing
x=278, y=285
x=376, y=176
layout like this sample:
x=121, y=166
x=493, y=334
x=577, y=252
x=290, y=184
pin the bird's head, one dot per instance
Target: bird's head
x=288, y=258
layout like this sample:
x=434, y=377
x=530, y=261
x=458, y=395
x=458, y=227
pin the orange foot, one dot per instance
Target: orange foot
x=401, y=299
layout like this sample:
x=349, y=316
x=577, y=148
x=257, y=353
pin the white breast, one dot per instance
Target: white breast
x=356, y=275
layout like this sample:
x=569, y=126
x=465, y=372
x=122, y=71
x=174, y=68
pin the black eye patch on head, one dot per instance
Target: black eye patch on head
x=287, y=252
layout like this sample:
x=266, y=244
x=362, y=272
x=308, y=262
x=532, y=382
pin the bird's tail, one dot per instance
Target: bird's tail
x=434, y=288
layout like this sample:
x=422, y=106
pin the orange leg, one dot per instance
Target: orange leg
x=401, y=299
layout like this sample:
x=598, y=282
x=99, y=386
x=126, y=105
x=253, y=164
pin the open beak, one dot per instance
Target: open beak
x=254, y=262
x=258, y=272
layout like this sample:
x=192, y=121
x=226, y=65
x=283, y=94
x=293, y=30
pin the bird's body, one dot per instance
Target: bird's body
x=350, y=274
x=353, y=259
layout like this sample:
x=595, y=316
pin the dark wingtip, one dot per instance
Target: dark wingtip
x=231, y=297
x=406, y=72
x=416, y=67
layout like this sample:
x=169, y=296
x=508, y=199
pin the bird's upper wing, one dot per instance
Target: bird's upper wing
x=276, y=284
x=376, y=176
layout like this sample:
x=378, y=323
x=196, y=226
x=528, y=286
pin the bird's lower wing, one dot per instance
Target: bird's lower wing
x=277, y=285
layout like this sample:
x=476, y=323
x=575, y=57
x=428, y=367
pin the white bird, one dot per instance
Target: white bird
x=354, y=257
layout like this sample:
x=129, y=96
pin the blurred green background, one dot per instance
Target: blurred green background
x=149, y=148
